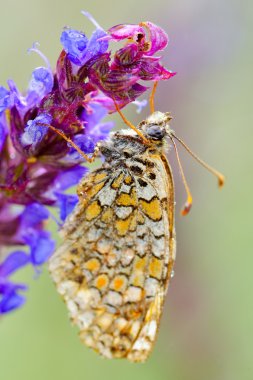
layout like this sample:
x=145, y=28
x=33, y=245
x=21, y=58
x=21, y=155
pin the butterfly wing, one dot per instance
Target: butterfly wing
x=113, y=267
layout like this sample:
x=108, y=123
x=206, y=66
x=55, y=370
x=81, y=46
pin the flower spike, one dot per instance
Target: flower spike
x=47, y=131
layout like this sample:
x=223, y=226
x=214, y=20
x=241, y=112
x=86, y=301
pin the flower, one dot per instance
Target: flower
x=117, y=75
x=38, y=165
x=5, y=99
x=10, y=298
x=35, y=130
x=66, y=203
x=79, y=48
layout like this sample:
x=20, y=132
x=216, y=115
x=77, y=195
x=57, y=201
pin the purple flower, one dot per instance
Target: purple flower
x=41, y=246
x=69, y=177
x=26, y=228
x=140, y=104
x=66, y=204
x=3, y=131
x=86, y=144
x=5, y=99
x=40, y=85
x=74, y=44
x=37, y=161
x=36, y=130
x=80, y=49
x=93, y=115
x=10, y=299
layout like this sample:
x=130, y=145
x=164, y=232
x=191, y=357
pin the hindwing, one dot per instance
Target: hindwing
x=115, y=263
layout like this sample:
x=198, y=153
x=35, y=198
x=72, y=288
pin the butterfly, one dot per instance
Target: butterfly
x=119, y=245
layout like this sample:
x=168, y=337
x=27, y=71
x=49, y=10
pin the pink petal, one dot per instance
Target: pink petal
x=123, y=31
x=157, y=36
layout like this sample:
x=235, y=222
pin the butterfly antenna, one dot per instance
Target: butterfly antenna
x=129, y=124
x=152, y=97
x=69, y=141
x=218, y=175
x=188, y=203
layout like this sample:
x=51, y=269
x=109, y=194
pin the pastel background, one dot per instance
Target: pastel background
x=207, y=328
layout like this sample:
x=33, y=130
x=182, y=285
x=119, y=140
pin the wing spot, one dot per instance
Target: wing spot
x=100, y=176
x=125, y=199
x=128, y=180
x=138, y=279
x=136, y=170
x=117, y=182
x=123, y=226
x=101, y=282
x=155, y=268
x=92, y=265
x=152, y=176
x=93, y=210
x=140, y=263
x=107, y=215
x=142, y=183
x=152, y=208
x=95, y=189
x=119, y=283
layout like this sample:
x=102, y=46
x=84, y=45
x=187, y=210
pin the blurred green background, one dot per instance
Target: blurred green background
x=207, y=326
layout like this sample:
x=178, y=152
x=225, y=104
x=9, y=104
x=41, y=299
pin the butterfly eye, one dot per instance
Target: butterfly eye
x=155, y=132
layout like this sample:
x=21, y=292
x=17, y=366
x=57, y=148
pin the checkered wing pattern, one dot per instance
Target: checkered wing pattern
x=115, y=264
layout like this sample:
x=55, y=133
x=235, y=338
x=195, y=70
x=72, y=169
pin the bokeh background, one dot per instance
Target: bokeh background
x=207, y=326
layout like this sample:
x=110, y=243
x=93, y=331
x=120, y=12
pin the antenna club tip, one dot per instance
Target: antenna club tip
x=221, y=181
x=187, y=207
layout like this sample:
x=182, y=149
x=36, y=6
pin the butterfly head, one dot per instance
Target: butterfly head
x=156, y=126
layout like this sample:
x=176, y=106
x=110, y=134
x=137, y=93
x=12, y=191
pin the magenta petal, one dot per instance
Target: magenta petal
x=123, y=31
x=157, y=36
x=151, y=69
